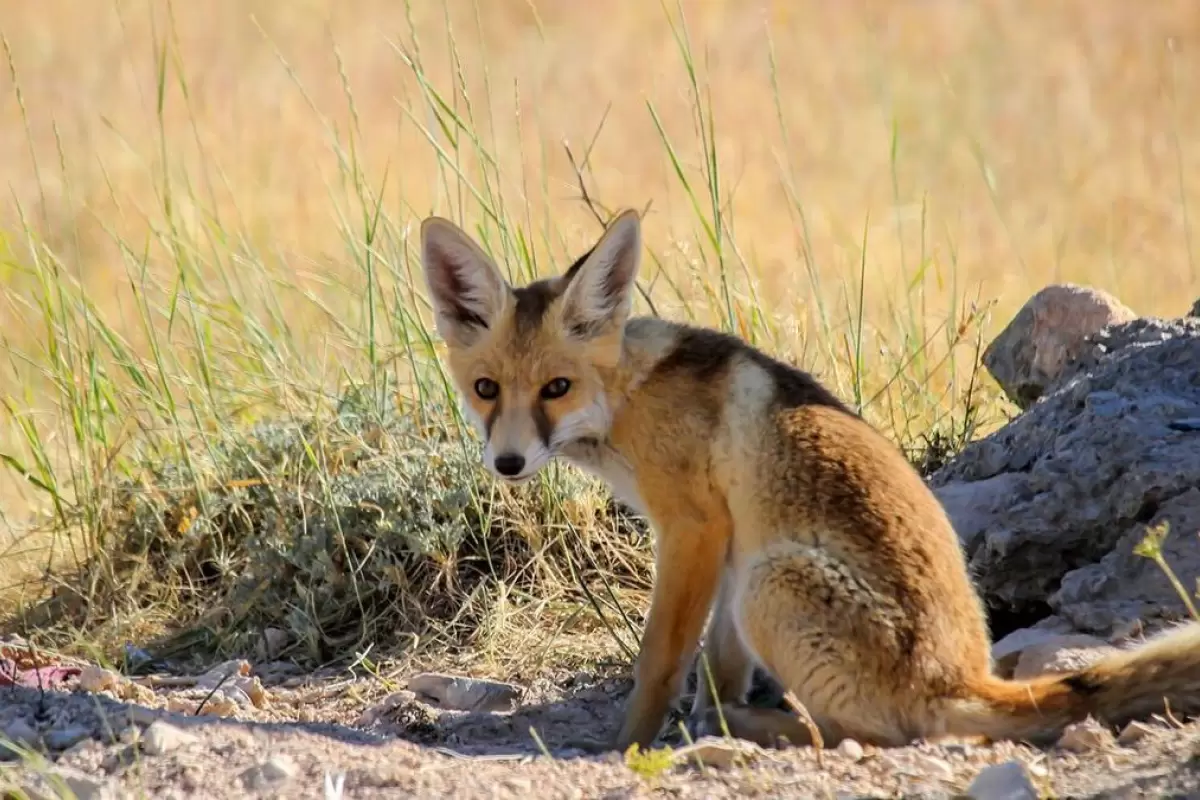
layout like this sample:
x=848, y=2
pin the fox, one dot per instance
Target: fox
x=789, y=532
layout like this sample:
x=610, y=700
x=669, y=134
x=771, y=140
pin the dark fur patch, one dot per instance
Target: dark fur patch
x=1083, y=684
x=490, y=420
x=702, y=353
x=708, y=355
x=533, y=301
x=542, y=422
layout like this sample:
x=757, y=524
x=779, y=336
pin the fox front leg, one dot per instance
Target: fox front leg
x=689, y=563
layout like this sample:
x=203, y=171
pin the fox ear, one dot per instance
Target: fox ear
x=467, y=290
x=599, y=290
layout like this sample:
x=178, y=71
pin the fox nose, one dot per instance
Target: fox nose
x=510, y=464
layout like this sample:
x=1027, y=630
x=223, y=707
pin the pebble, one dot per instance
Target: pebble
x=98, y=679
x=62, y=738
x=162, y=737
x=20, y=732
x=465, y=694
x=1086, y=736
x=275, y=769
x=715, y=751
x=851, y=749
x=1007, y=781
x=1134, y=732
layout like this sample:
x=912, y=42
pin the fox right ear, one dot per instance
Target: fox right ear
x=467, y=290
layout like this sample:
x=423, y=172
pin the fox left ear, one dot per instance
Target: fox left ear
x=599, y=294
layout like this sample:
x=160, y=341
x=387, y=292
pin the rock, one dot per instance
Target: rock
x=20, y=733
x=1195, y=312
x=851, y=749
x=974, y=507
x=78, y=783
x=1048, y=333
x=274, y=770
x=85, y=786
x=64, y=738
x=1006, y=781
x=715, y=751
x=1067, y=653
x=1006, y=651
x=1086, y=736
x=162, y=737
x=1080, y=475
x=464, y=694
x=98, y=679
x=1134, y=732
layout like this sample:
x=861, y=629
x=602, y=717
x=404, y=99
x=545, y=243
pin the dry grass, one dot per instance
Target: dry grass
x=210, y=210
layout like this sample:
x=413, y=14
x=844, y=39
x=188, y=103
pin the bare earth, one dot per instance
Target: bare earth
x=307, y=736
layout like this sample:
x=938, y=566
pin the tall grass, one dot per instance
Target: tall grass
x=211, y=218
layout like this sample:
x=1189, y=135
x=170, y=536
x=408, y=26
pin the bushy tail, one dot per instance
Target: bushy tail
x=1159, y=676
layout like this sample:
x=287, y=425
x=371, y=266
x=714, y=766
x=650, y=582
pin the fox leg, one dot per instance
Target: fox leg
x=830, y=638
x=688, y=569
x=725, y=666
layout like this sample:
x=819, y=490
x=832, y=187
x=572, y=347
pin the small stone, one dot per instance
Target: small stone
x=84, y=786
x=20, y=732
x=714, y=751
x=98, y=679
x=1060, y=655
x=162, y=737
x=274, y=770
x=1086, y=736
x=63, y=738
x=1007, y=781
x=465, y=694
x=851, y=749
x=224, y=674
x=1134, y=732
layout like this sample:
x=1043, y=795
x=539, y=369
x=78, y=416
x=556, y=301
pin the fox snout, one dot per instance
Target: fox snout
x=509, y=464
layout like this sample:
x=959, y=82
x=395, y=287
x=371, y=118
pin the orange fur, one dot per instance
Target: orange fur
x=819, y=550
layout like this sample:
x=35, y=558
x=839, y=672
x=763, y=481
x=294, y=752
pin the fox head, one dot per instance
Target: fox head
x=530, y=363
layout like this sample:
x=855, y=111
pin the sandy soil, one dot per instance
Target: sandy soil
x=290, y=735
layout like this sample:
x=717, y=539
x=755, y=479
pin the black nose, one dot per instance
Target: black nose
x=510, y=464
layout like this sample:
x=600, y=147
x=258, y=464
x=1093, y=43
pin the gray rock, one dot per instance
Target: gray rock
x=275, y=770
x=1195, y=312
x=1070, y=653
x=1007, y=781
x=1051, y=505
x=162, y=737
x=1047, y=334
x=1037, y=647
x=20, y=732
x=1124, y=587
x=64, y=738
x=1086, y=736
x=80, y=784
x=464, y=694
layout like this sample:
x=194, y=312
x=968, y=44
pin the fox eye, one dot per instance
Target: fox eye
x=556, y=389
x=487, y=388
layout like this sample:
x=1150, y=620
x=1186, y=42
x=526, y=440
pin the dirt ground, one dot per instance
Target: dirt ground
x=269, y=732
